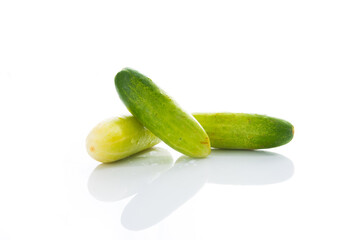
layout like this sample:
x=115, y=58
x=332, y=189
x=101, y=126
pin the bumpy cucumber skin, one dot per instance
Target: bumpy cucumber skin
x=117, y=138
x=161, y=115
x=245, y=131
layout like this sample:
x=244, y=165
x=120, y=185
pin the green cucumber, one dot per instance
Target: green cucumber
x=245, y=131
x=117, y=138
x=161, y=115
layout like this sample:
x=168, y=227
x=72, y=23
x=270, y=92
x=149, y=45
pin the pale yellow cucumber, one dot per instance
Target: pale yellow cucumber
x=117, y=138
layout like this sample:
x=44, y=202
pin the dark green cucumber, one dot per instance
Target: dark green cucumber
x=245, y=131
x=161, y=115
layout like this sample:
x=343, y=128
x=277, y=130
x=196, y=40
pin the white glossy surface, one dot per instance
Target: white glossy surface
x=158, y=192
x=296, y=60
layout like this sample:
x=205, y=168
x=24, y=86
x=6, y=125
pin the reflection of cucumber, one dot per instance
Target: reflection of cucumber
x=113, y=182
x=160, y=114
x=245, y=131
x=165, y=194
x=117, y=138
x=236, y=167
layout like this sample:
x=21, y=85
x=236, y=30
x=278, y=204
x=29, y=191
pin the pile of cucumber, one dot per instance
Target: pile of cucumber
x=156, y=117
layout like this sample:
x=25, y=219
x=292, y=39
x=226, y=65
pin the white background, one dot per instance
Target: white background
x=296, y=60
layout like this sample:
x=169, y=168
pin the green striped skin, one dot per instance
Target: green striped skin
x=245, y=131
x=161, y=115
x=117, y=138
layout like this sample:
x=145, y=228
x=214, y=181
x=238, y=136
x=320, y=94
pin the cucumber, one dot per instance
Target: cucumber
x=161, y=115
x=117, y=138
x=245, y=131
x=120, y=137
